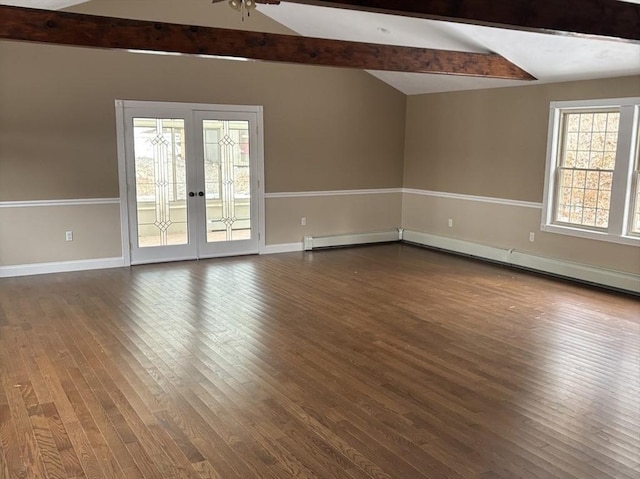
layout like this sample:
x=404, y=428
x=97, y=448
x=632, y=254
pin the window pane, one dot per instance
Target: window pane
x=589, y=216
x=159, y=148
x=588, y=135
x=212, y=166
x=636, y=215
x=635, y=220
x=227, y=180
x=586, y=166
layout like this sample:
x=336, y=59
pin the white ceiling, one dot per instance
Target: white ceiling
x=550, y=58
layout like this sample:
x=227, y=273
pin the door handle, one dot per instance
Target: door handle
x=200, y=193
x=192, y=194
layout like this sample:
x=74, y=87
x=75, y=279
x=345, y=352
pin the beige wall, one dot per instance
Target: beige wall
x=37, y=234
x=508, y=227
x=327, y=215
x=490, y=142
x=493, y=143
x=325, y=128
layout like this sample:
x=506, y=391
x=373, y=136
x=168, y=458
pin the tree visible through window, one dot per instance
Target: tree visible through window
x=592, y=186
x=587, y=162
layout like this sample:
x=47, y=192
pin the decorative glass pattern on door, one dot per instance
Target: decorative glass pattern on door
x=161, y=182
x=227, y=178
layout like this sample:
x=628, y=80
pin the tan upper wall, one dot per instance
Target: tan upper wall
x=325, y=128
x=490, y=142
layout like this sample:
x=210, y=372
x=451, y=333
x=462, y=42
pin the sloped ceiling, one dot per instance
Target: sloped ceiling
x=550, y=58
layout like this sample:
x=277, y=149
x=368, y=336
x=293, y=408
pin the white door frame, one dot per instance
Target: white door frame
x=120, y=106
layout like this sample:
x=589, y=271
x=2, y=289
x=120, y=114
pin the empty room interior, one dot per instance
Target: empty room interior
x=309, y=239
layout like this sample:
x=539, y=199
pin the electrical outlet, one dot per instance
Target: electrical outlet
x=303, y=221
x=532, y=236
x=68, y=236
x=450, y=223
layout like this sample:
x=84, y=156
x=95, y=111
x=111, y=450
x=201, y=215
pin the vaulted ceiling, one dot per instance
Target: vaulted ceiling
x=548, y=57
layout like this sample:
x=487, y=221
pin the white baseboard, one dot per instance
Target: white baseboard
x=312, y=194
x=590, y=274
x=568, y=269
x=71, y=202
x=283, y=248
x=582, y=272
x=60, y=267
x=313, y=242
x=459, y=246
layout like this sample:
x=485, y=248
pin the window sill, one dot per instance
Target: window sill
x=588, y=234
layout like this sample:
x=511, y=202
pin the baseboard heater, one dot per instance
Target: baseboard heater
x=332, y=241
x=581, y=272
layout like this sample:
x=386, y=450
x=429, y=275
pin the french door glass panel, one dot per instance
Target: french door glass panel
x=161, y=182
x=227, y=176
x=191, y=181
x=227, y=146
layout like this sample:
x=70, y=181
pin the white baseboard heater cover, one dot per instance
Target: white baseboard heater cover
x=567, y=269
x=589, y=274
x=314, y=242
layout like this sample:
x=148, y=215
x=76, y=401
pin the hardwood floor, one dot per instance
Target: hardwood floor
x=376, y=362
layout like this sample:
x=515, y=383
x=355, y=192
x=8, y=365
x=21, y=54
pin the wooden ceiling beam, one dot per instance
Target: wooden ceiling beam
x=614, y=19
x=64, y=28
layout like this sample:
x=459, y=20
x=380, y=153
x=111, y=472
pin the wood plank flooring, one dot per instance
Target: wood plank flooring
x=386, y=361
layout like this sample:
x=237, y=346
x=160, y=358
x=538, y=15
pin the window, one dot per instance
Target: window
x=635, y=219
x=592, y=184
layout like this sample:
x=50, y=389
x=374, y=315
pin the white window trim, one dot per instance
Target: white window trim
x=621, y=192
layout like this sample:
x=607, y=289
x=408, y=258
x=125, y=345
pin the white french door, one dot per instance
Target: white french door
x=193, y=177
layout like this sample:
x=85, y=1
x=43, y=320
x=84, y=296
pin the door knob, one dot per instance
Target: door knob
x=192, y=194
x=200, y=193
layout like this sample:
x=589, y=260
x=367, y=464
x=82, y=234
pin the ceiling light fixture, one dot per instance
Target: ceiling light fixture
x=243, y=6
